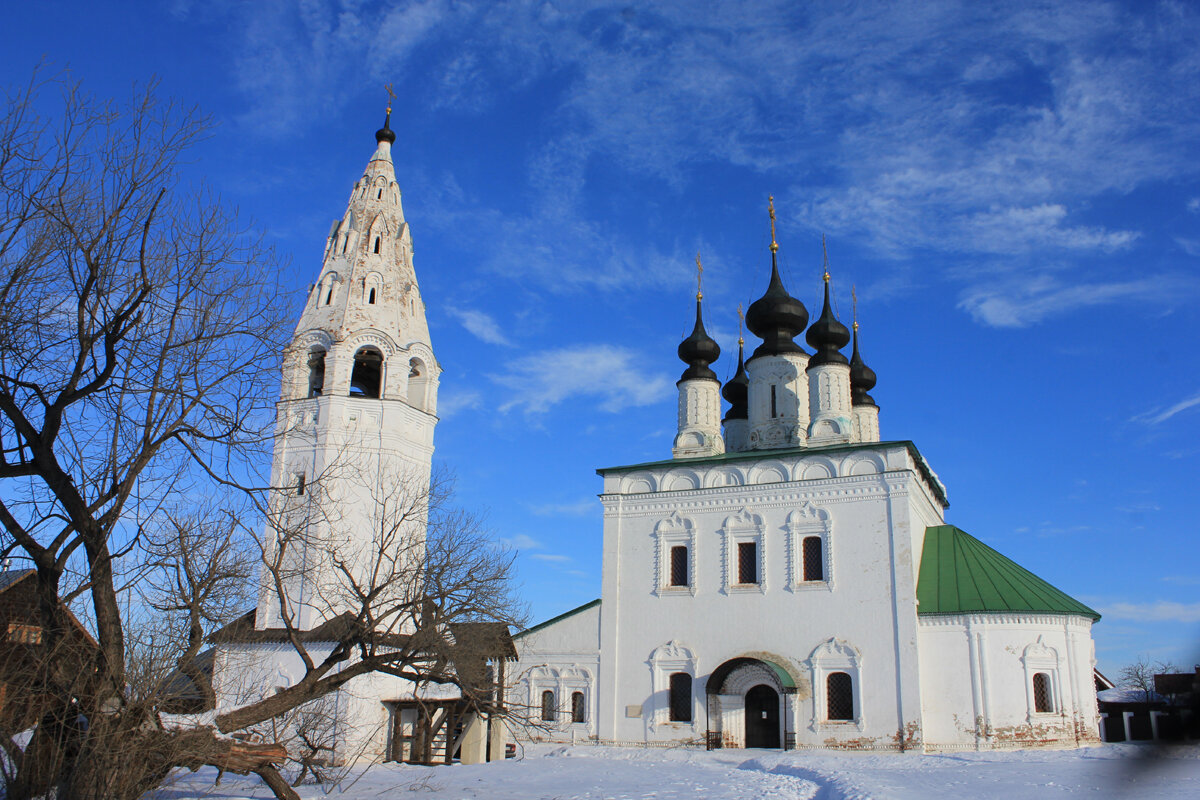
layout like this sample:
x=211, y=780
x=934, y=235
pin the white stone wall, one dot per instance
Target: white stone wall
x=862, y=503
x=786, y=423
x=564, y=658
x=829, y=405
x=977, y=680
x=699, y=420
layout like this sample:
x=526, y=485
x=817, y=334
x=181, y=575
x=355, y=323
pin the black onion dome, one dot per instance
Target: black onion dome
x=386, y=134
x=827, y=336
x=698, y=351
x=862, y=378
x=736, y=390
x=776, y=318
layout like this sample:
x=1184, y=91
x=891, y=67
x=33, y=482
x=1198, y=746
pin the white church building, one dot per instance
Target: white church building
x=787, y=580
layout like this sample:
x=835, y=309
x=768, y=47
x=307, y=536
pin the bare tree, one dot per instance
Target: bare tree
x=140, y=335
x=1140, y=674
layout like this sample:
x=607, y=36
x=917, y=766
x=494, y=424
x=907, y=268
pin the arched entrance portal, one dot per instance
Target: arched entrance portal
x=762, y=717
x=751, y=703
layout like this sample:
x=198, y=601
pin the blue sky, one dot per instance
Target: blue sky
x=1015, y=192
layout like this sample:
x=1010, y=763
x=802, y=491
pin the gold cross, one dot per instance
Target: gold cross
x=741, y=319
x=771, y=211
x=825, y=253
x=854, y=299
x=391, y=96
x=699, y=275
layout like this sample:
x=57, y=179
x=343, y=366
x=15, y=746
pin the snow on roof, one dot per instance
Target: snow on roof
x=1128, y=694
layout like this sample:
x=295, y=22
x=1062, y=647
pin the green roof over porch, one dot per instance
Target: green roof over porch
x=960, y=574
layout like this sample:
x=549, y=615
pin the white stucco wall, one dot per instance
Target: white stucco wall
x=977, y=680
x=562, y=657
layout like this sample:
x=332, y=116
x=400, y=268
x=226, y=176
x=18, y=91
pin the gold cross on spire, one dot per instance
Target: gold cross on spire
x=391, y=96
x=825, y=255
x=741, y=320
x=771, y=211
x=854, y=300
x=699, y=275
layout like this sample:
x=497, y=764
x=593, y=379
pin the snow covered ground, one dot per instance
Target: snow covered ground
x=549, y=772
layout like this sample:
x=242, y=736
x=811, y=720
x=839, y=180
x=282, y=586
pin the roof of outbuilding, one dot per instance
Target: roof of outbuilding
x=960, y=574
x=11, y=576
x=559, y=618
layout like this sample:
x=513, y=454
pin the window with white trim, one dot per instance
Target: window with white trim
x=1042, y=687
x=810, y=562
x=578, y=707
x=548, y=705
x=837, y=682
x=674, y=539
x=744, y=553
x=666, y=663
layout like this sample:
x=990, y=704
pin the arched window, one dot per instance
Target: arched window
x=376, y=244
x=329, y=294
x=345, y=242
x=371, y=297
x=1043, y=700
x=379, y=197
x=839, y=696
x=679, y=565
x=814, y=561
x=367, y=373
x=681, y=697
x=578, y=709
x=316, y=372
x=548, y=706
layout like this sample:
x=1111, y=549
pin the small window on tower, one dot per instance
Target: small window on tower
x=329, y=294
x=371, y=297
x=747, y=562
x=773, y=411
x=300, y=484
x=376, y=244
x=379, y=197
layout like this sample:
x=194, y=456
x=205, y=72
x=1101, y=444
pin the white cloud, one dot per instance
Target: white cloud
x=1182, y=580
x=539, y=381
x=480, y=325
x=521, y=542
x=553, y=558
x=581, y=508
x=1020, y=302
x=1162, y=415
x=1193, y=205
x=1159, y=611
x=451, y=403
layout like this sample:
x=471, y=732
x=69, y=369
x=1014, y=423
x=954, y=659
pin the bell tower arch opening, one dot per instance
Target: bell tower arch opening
x=367, y=374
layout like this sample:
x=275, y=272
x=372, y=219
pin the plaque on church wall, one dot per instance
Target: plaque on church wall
x=633, y=712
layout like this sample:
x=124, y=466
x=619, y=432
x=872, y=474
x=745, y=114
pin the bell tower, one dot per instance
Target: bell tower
x=357, y=409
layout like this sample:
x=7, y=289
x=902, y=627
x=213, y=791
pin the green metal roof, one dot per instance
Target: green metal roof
x=559, y=618
x=960, y=574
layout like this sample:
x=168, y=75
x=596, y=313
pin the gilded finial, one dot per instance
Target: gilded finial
x=771, y=211
x=854, y=301
x=825, y=255
x=741, y=322
x=699, y=276
x=391, y=96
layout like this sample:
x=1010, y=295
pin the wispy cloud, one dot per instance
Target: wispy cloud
x=451, y=403
x=480, y=325
x=1159, y=416
x=521, y=542
x=1022, y=302
x=581, y=508
x=1182, y=580
x=553, y=558
x=1193, y=205
x=1160, y=611
x=611, y=374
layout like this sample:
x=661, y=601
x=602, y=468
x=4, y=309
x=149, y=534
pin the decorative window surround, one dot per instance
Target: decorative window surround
x=808, y=520
x=1040, y=657
x=667, y=659
x=744, y=526
x=674, y=531
x=835, y=655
